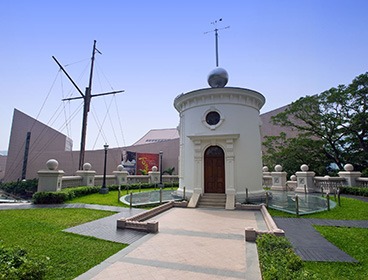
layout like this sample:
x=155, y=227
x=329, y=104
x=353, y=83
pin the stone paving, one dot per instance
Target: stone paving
x=105, y=228
x=191, y=244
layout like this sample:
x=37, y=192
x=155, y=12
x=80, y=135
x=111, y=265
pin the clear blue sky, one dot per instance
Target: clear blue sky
x=156, y=50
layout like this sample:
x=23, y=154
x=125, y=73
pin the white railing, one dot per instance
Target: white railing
x=362, y=182
x=329, y=184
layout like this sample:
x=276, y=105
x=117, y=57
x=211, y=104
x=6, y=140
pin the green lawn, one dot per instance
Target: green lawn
x=353, y=241
x=110, y=198
x=39, y=231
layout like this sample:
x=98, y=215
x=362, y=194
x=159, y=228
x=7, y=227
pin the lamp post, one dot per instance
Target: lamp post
x=104, y=189
x=161, y=168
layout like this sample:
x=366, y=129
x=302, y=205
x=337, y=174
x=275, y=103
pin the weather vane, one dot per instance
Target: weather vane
x=216, y=30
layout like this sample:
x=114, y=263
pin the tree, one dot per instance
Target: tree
x=333, y=123
x=291, y=153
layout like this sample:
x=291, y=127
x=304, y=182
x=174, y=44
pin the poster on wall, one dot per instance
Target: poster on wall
x=145, y=162
x=129, y=161
x=139, y=163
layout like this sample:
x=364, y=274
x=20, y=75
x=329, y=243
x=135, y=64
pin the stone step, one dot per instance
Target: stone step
x=212, y=200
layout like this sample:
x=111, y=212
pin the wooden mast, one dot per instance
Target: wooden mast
x=87, y=96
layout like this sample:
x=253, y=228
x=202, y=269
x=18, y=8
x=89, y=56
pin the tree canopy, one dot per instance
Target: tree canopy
x=332, y=129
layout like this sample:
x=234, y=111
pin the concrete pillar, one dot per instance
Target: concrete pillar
x=121, y=175
x=305, y=180
x=88, y=175
x=154, y=175
x=350, y=175
x=278, y=179
x=266, y=177
x=50, y=179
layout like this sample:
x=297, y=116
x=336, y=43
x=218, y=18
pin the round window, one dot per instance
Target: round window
x=212, y=118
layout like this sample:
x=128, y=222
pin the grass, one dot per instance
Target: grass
x=353, y=241
x=39, y=231
x=350, y=209
x=110, y=198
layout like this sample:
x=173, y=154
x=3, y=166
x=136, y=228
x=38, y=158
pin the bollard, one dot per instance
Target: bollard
x=297, y=204
x=131, y=199
x=328, y=201
x=267, y=199
x=183, y=193
x=246, y=195
x=119, y=194
x=338, y=197
x=160, y=195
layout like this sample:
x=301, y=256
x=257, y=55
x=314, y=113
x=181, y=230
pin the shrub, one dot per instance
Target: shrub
x=359, y=191
x=23, y=189
x=49, y=197
x=278, y=260
x=62, y=196
x=16, y=264
x=70, y=193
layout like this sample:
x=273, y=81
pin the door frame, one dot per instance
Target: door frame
x=214, y=159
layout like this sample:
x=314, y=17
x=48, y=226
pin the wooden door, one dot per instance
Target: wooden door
x=214, y=170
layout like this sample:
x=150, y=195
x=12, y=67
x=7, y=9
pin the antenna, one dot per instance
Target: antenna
x=216, y=30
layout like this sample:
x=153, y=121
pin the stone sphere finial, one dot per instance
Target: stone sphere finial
x=87, y=166
x=52, y=164
x=293, y=178
x=304, y=168
x=278, y=168
x=348, y=167
x=154, y=168
x=120, y=167
x=265, y=169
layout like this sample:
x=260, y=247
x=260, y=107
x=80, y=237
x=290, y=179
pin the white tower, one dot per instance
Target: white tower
x=220, y=142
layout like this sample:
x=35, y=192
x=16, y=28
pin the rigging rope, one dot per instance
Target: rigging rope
x=117, y=112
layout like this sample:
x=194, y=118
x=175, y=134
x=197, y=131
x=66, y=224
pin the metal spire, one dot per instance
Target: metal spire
x=216, y=30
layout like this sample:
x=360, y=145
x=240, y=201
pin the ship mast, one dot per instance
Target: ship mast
x=87, y=96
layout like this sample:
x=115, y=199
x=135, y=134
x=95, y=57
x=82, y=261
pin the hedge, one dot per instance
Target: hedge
x=278, y=260
x=70, y=193
x=359, y=191
x=24, y=189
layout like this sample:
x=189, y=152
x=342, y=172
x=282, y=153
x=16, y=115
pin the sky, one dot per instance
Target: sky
x=156, y=50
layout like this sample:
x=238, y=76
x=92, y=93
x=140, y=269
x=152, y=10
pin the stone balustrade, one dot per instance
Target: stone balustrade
x=52, y=179
x=305, y=181
x=362, y=182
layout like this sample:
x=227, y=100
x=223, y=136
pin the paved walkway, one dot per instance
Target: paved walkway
x=309, y=244
x=191, y=244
